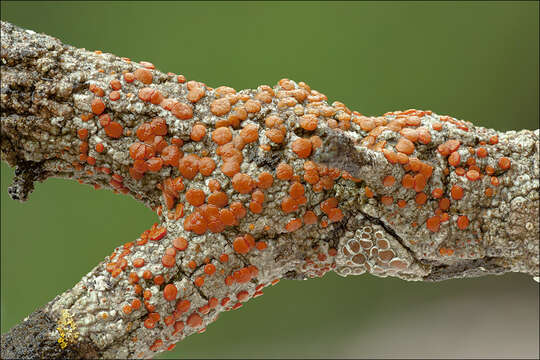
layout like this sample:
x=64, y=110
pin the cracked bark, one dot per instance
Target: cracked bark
x=45, y=97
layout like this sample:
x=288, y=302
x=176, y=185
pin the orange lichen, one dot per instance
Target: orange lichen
x=199, y=281
x=168, y=261
x=210, y=269
x=481, y=152
x=195, y=197
x=196, y=93
x=462, y=222
x=433, y=223
x=335, y=215
x=220, y=107
x=407, y=181
x=194, y=320
x=284, y=171
x=419, y=182
x=454, y=159
x=265, y=180
x=301, y=147
x=405, y=146
x=444, y=204
x=437, y=193
x=389, y=180
x=114, y=130
x=449, y=147
x=182, y=111
x=241, y=245
x=97, y=106
x=456, y=192
x=421, y=198
x=143, y=75
x=252, y=106
x=472, y=175
x=169, y=292
x=504, y=163
x=243, y=183
x=222, y=135
x=138, y=262
x=293, y=225
x=218, y=198
x=310, y=194
x=189, y=166
x=387, y=200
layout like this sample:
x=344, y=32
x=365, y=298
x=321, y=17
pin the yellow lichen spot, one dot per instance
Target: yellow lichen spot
x=67, y=329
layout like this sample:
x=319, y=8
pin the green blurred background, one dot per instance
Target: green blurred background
x=475, y=61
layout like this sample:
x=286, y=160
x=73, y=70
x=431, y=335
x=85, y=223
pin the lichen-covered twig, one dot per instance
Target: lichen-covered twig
x=251, y=186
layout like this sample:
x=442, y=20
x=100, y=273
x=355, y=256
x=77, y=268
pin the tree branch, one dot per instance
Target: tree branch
x=251, y=187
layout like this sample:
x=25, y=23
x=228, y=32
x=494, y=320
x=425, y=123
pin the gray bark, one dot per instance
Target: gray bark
x=395, y=231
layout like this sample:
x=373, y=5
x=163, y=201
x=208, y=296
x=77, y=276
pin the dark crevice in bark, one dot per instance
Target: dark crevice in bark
x=464, y=268
x=390, y=231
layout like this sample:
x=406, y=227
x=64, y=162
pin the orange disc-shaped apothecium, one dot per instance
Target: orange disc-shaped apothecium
x=169, y=292
x=195, y=197
x=194, y=320
x=265, y=180
x=143, y=75
x=98, y=106
x=389, y=180
x=504, y=163
x=182, y=111
x=180, y=243
x=220, y=107
x=240, y=245
x=405, y=146
x=242, y=183
x=114, y=130
x=456, y=192
x=462, y=222
x=310, y=218
x=222, y=135
x=168, y=261
x=189, y=166
x=433, y=223
x=302, y=147
x=183, y=305
x=250, y=133
x=209, y=269
x=198, y=131
x=284, y=171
